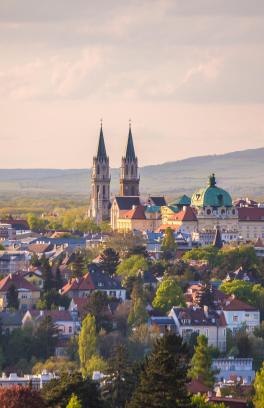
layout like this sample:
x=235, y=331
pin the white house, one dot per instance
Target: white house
x=238, y=313
x=199, y=320
x=234, y=369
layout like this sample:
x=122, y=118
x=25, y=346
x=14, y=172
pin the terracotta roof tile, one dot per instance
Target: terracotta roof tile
x=136, y=213
x=18, y=281
x=187, y=214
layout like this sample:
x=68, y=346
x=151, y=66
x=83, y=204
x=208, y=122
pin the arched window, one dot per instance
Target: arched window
x=132, y=170
x=103, y=191
x=126, y=170
x=98, y=169
x=132, y=190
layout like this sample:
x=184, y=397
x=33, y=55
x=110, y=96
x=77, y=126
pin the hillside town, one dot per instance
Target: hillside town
x=85, y=314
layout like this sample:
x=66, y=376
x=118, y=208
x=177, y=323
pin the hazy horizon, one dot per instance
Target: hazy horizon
x=188, y=74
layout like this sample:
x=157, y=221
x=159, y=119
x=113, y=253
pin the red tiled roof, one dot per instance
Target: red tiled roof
x=80, y=302
x=83, y=283
x=136, y=213
x=259, y=243
x=234, y=304
x=163, y=227
x=187, y=214
x=251, y=214
x=56, y=315
x=18, y=281
x=40, y=248
x=197, y=387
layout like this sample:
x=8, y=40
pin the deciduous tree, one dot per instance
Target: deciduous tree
x=169, y=294
x=87, y=342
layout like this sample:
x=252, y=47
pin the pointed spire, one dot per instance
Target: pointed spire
x=218, y=243
x=130, y=151
x=101, y=151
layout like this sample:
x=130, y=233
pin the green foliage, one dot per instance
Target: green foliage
x=56, y=365
x=138, y=314
x=74, y=402
x=87, y=342
x=58, y=392
x=124, y=244
x=12, y=297
x=259, y=388
x=96, y=305
x=199, y=401
x=52, y=300
x=115, y=388
x=36, y=223
x=131, y=266
x=201, y=363
x=96, y=363
x=109, y=260
x=163, y=379
x=46, y=337
x=79, y=266
x=169, y=294
x=169, y=245
x=247, y=292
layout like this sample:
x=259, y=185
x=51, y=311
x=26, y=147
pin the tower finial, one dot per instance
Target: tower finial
x=101, y=122
x=129, y=123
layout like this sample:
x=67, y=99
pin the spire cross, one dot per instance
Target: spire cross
x=130, y=123
x=101, y=122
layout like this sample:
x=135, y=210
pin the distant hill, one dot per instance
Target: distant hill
x=241, y=173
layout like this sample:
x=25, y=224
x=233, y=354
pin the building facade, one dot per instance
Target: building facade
x=100, y=189
x=129, y=177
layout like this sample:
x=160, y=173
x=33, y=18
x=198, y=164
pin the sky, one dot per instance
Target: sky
x=188, y=73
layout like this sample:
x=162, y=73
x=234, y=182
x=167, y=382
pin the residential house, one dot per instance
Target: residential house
x=12, y=261
x=238, y=370
x=10, y=321
x=163, y=324
x=34, y=276
x=238, y=313
x=62, y=319
x=92, y=281
x=199, y=320
x=28, y=294
x=34, y=381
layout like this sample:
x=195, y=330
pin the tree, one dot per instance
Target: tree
x=78, y=265
x=20, y=397
x=169, y=294
x=74, y=402
x=131, y=266
x=163, y=379
x=169, y=245
x=35, y=223
x=87, y=342
x=205, y=296
x=12, y=297
x=124, y=243
x=140, y=250
x=138, y=314
x=199, y=401
x=109, y=260
x=46, y=273
x=201, y=363
x=56, y=365
x=96, y=363
x=115, y=386
x=58, y=392
x=96, y=305
x=259, y=389
x=46, y=337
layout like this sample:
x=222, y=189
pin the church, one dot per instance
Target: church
x=120, y=209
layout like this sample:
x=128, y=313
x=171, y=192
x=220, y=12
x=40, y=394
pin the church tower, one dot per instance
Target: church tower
x=100, y=189
x=129, y=178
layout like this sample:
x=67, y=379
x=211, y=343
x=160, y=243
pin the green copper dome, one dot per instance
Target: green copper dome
x=212, y=196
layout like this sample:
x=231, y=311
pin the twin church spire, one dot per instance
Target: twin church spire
x=100, y=190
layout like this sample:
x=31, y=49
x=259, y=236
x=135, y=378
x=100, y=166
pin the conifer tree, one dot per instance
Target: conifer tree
x=116, y=386
x=138, y=314
x=201, y=364
x=78, y=265
x=259, y=388
x=109, y=260
x=12, y=297
x=74, y=402
x=46, y=274
x=87, y=342
x=163, y=378
x=169, y=245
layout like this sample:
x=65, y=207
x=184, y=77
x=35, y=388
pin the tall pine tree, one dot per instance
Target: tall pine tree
x=201, y=364
x=163, y=379
x=109, y=260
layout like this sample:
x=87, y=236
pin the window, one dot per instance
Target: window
x=70, y=329
x=235, y=318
